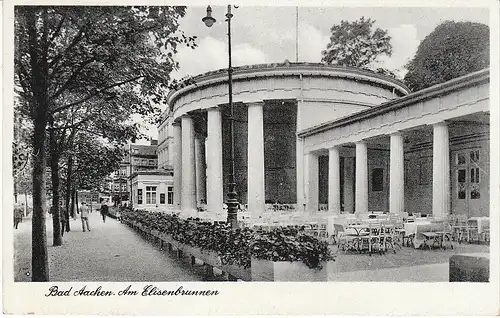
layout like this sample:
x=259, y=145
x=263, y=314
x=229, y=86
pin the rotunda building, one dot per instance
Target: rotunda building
x=272, y=104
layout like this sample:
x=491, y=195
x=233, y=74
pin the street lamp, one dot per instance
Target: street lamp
x=232, y=203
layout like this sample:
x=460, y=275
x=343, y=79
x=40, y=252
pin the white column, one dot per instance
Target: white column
x=334, y=181
x=300, y=174
x=256, y=186
x=361, y=178
x=199, y=153
x=177, y=163
x=188, y=168
x=397, y=175
x=214, y=163
x=312, y=183
x=440, y=171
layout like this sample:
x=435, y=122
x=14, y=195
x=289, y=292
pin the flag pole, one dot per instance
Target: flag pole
x=297, y=34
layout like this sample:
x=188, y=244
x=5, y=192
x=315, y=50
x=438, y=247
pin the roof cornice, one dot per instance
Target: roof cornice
x=430, y=92
x=286, y=69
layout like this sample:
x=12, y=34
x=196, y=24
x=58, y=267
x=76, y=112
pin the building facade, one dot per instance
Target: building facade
x=137, y=158
x=321, y=137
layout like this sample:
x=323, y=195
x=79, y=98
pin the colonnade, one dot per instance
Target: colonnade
x=190, y=158
x=441, y=175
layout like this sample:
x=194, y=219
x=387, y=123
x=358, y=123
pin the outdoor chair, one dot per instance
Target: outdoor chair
x=485, y=235
x=438, y=238
x=390, y=237
x=345, y=241
x=472, y=231
x=374, y=240
x=459, y=227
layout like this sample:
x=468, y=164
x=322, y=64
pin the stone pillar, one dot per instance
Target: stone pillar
x=177, y=163
x=256, y=185
x=397, y=175
x=440, y=171
x=300, y=174
x=213, y=154
x=361, y=178
x=199, y=153
x=312, y=183
x=188, y=168
x=334, y=181
x=348, y=185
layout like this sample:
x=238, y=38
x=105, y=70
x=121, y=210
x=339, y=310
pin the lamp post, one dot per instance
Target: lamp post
x=232, y=203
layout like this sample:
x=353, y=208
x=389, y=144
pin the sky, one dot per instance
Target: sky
x=268, y=34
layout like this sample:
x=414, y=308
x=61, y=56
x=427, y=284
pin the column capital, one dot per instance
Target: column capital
x=440, y=124
x=397, y=133
x=261, y=103
x=213, y=108
x=360, y=142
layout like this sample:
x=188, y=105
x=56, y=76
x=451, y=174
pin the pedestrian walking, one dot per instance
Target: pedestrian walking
x=18, y=214
x=104, y=210
x=84, y=215
x=62, y=218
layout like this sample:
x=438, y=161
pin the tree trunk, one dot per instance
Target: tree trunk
x=54, y=170
x=39, y=85
x=73, y=198
x=76, y=201
x=15, y=191
x=69, y=192
x=26, y=204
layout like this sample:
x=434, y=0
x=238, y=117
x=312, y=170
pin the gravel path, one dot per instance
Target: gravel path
x=110, y=252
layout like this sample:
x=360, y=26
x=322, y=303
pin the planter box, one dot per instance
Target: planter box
x=269, y=271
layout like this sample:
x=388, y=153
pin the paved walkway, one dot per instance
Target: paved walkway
x=109, y=252
x=113, y=252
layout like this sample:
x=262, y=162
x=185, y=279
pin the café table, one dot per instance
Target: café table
x=416, y=229
x=359, y=231
x=481, y=221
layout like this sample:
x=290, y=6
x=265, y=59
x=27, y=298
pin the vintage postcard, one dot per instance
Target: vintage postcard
x=295, y=158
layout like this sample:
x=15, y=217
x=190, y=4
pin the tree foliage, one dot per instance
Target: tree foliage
x=356, y=44
x=78, y=62
x=452, y=50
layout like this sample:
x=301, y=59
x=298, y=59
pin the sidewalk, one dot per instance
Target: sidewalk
x=109, y=252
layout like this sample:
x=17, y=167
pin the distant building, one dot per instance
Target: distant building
x=137, y=158
x=154, y=189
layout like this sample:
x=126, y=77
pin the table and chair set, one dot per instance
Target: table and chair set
x=375, y=231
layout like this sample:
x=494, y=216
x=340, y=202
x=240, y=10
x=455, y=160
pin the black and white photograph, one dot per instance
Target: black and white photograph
x=195, y=152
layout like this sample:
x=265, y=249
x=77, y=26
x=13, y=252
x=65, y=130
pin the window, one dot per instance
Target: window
x=170, y=193
x=474, y=180
x=461, y=184
x=151, y=162
x=139, y=196
x=150, y=195
x=378, y=179
x=162, y=198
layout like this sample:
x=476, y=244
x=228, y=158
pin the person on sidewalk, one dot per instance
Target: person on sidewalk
x=62, y=218
x=18, y=214
x=84, y=214
x=104, y=210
